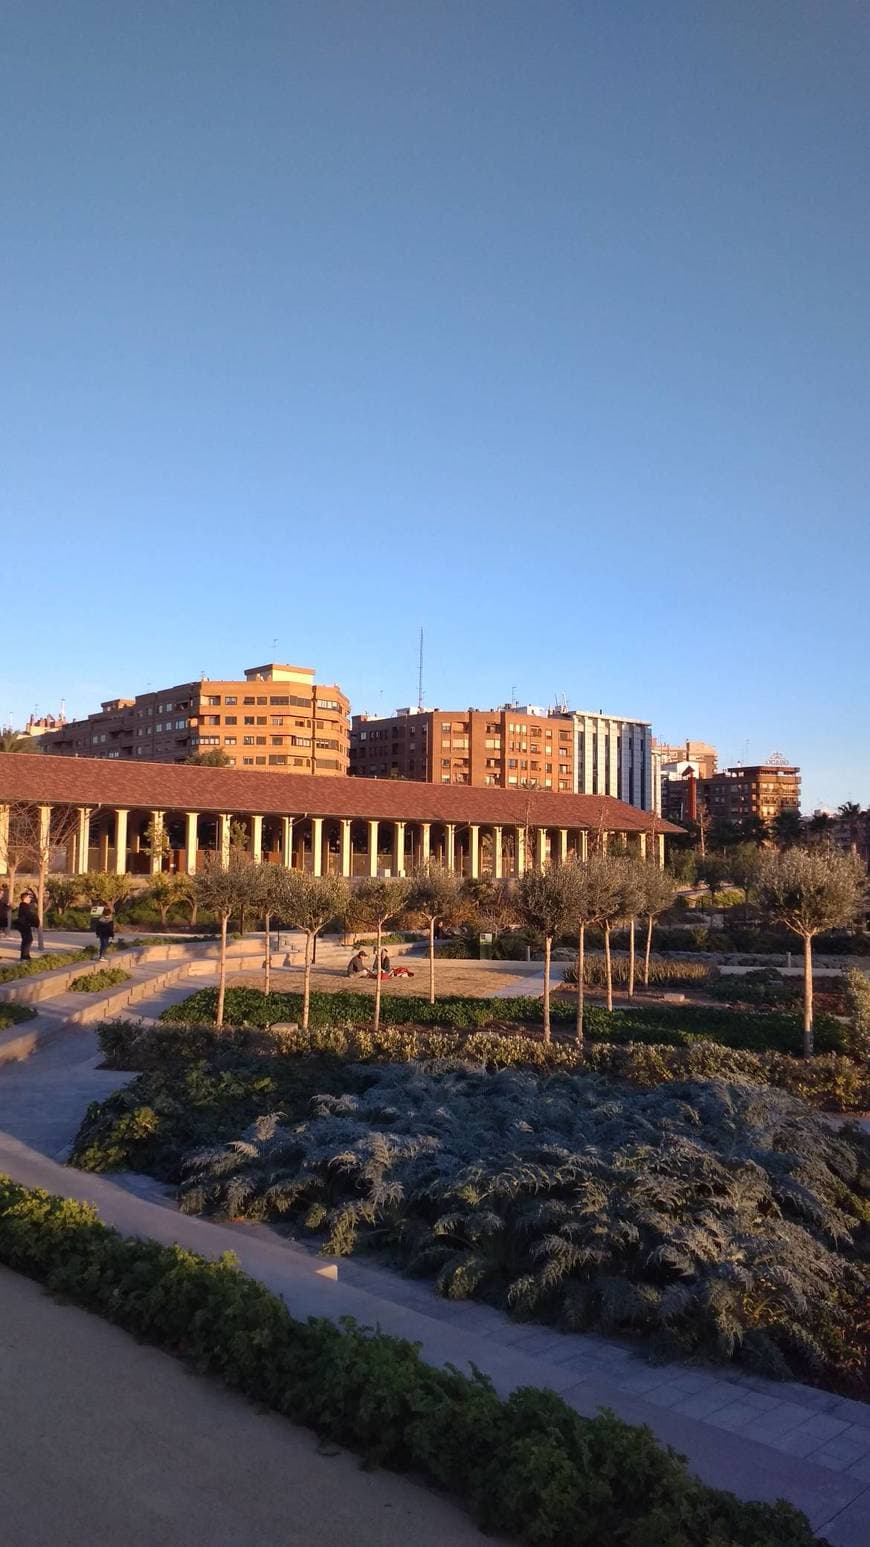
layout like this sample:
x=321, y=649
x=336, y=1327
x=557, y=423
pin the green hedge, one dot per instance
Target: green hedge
x=530, y=1466
x=14, y=1014
x=749, y=1029
x=102, y=977
x=46, y=963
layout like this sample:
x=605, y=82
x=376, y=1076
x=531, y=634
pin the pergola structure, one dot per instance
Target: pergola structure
x=156, y=816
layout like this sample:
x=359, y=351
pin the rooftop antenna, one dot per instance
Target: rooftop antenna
x=420, y=674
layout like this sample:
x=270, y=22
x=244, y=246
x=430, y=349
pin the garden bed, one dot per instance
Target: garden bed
x=677, y=1201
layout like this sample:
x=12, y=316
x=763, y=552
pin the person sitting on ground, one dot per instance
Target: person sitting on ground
x=386, y=965
x=104, y=929
x=358, y=966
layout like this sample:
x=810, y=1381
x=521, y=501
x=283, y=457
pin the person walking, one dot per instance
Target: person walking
x=26, y=921
x=104, y=930
x=4, y=910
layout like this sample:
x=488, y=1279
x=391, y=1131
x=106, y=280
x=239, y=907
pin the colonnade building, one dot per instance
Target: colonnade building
x=152, y=816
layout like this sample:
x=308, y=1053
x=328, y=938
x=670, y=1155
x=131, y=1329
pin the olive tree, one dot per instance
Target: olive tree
x=631, y=898
x=594, y=898
x=658, y=894
x=544, y=900
x=308, y=902
x=376, y=901
x=34, y=840
x=436, y=897
x=808, y=891
x=222, y=889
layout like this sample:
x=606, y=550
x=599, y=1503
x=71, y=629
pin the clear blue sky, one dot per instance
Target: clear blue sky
x=545, y=326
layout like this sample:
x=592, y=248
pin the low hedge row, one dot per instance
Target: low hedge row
x=753, y=1030
x=829, y=1082
x=102, y=977
x=14, y=1014
x=529, y=1466
x=46, y=962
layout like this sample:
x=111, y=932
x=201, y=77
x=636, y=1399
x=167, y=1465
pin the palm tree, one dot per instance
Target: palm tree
x=850, y=813
x=13, y=741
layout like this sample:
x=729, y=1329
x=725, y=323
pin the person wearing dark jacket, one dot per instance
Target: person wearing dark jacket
x=104, y=929
x=26, y=921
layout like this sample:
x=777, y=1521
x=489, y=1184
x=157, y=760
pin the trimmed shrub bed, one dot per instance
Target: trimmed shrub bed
x=529, y=1466
x=752, y=1030
x=14, y=1014
x=46, y=963
x=101, y=977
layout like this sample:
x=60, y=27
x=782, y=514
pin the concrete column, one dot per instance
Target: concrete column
x=520, y=840
x=474, y=851
x=542, y=847
x=605, y=839
x=257, y=839
x=224, y=821
x=191, y=819
x=157, y=818
x=496, y=854
x=317, y=845
x=287, y=842
x=563, y=845
x=121, y=817
x=346, y=849
x=4, y=839
x=104, y=850
x=660, y=850
x=450, y=830
x=641, y=845
x=425, y=842
x=584, y=843
x=373, y=848
x=398, y=848
x=83, y=839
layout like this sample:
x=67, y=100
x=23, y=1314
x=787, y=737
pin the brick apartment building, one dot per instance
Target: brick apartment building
x=276, y=719
x=734, y=795
x=508, y=748
x=511, y=747
x=700, y=753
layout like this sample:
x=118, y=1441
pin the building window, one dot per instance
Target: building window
x=231, y=699
x=261, y=741
x=229, y=741
x=247, y=760
x=247, y=741
x=231, y=719
x=212, y=698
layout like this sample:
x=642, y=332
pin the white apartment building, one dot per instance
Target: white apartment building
x=614, y=756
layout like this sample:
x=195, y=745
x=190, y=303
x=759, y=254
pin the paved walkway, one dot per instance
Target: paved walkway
x=106, y=1441
x=762, y=1439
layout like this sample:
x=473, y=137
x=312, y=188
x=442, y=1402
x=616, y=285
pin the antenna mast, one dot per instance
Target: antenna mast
x=420, y=674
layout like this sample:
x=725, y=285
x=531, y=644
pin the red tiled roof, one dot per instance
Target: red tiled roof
x=184, y=787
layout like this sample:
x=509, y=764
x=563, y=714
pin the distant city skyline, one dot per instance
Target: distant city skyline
x=545, y=328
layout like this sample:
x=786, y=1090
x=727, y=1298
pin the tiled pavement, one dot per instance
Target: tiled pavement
x=760, y=1438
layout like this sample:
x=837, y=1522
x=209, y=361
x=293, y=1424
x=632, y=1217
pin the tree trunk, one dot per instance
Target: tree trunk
x=267, y=962
x=581, y=986
x=306, y=981
x=808, y=996
x=194, y=910
x=431, y=961
x=377, y=1020
x=222, y=973
x=608, y=964
x=647, y=953
x=548, y=946
x=631, y=926
x=40, y=907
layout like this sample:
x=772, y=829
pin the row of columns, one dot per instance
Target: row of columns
x=542, y=849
